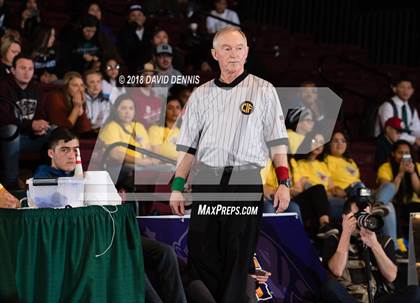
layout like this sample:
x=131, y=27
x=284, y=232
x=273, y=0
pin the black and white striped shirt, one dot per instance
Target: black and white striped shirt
x=233, y=124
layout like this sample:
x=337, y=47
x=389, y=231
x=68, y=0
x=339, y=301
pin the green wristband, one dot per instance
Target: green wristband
x=178, y=184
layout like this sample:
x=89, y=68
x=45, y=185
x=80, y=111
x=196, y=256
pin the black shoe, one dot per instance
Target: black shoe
x=379, y=208
x=327, y=230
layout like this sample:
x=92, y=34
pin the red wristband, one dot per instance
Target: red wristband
x=282, y=173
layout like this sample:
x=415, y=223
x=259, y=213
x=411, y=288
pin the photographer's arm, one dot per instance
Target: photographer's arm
x=338, y=261
x=387, y=268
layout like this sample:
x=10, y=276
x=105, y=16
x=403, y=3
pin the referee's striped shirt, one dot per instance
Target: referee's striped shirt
x=233, y=124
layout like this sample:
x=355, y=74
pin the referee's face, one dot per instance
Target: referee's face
x=230, y=52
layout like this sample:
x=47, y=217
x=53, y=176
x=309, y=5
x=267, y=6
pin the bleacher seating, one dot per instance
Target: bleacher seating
x=289, y=58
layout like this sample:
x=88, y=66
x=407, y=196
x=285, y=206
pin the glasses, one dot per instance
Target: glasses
x=339, y=141
x=109, y=67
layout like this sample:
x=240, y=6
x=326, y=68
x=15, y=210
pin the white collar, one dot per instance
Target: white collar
x=398, y=101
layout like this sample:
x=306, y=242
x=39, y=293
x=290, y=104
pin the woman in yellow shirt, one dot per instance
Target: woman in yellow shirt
x=122, y=128
x=310, y=170
x=344, y=171
x=163, y=139
x=401, y=173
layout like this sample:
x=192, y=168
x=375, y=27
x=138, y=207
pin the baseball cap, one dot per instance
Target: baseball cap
x=295, y=114
x=135, y=6
x=395, y=123
x=164, y=49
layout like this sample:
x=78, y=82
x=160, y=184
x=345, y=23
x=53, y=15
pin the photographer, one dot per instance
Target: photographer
x=344, y=257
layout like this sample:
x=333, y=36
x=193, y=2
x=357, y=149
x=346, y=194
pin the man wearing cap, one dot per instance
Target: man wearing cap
x=400, y=107
x=392, y=132
x=134, y=41
x=163, y=58
x=230, y=126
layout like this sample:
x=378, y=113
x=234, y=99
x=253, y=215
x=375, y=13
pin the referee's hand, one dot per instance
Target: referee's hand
x=281, y=198
x=177, y=203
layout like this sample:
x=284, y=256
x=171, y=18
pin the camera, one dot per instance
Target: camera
x=364, y=219
x=363, y=198
x=369, y=221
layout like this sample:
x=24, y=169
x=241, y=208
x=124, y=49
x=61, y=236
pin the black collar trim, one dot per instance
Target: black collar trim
x=233, y=83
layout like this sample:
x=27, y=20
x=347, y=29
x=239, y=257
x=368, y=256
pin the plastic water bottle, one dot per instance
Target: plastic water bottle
x=78, y=171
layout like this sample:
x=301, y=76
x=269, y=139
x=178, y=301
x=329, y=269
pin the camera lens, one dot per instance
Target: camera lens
x=368, y=221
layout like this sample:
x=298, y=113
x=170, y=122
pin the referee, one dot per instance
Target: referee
x=231, y=125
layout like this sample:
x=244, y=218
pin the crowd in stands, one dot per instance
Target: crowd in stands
x=81, y=66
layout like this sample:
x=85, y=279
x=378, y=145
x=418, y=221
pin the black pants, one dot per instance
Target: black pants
x=313, y=202
x=161, y=263
x=221, y=246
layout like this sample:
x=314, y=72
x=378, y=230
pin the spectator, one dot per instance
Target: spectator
x=311, y=170
x=149, y=103
x=7, y=200
x=398, y=106
x=62, y=149
x=197, y=41
x=67, y=108
x=391, y=134
x=94, y=9
x=344, y=171
x=163, y=59
x=10, y=47
x=85, y=47
x=4, y=17
x=122, y=127
x=110, y=85
x=45, y=56
x=163, y=138
x=221, y=11
x=22, y=116
x=401, y=175
x=343, y=256
x=98, y=105
x=184, y=94
x=299, y=123
x=309, y=97
x=134, y=39
x=160, y=36
x=30, y=18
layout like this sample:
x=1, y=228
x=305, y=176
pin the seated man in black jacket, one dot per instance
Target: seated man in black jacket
x=23, y=126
